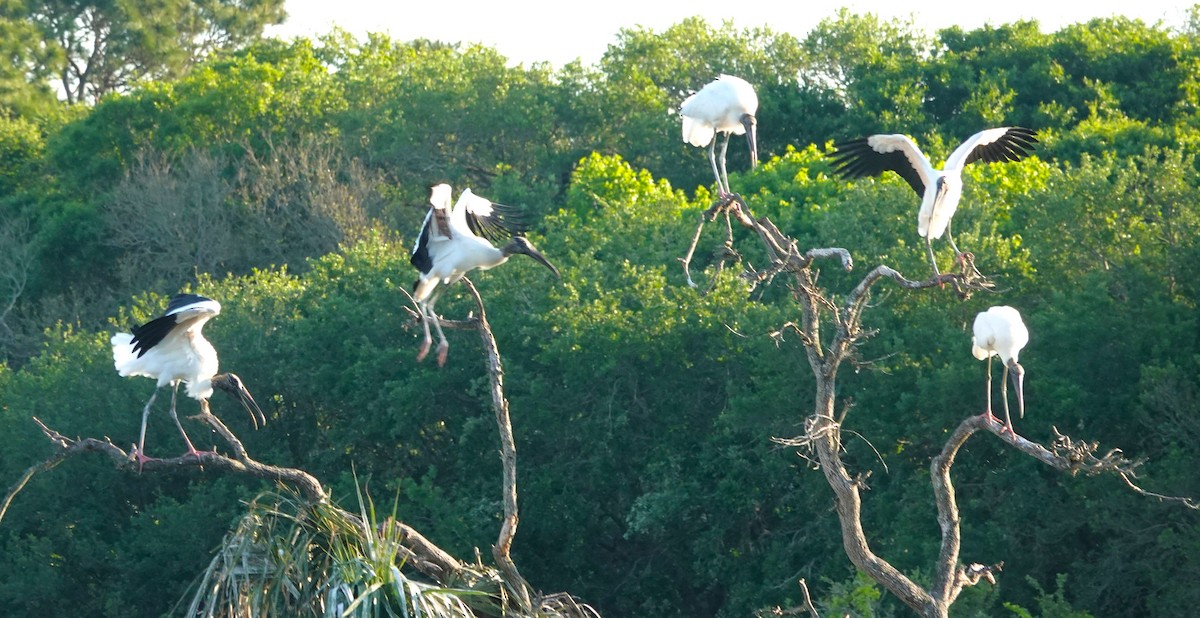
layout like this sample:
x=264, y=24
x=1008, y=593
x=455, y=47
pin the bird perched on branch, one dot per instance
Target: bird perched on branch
x=726, y=105
x=940, y=190
x=171, y=349
x=999, y=331
x=454, y=242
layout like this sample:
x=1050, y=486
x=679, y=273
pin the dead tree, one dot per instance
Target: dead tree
x=515, y=598
x=830, y=332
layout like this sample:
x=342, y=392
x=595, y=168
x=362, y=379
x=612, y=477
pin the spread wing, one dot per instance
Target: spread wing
x=994, y=146
x=874, y=155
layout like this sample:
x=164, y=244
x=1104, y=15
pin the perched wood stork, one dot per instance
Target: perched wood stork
x=171, y=349
x=726, y=105
x=940, y=190
x=454, y=242
x=999, y=331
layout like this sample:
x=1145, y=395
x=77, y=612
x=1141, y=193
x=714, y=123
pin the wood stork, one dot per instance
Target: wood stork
x=726, y=105
x=171, y=349
x=940, y=190
x=999, y=331
x=450, y=245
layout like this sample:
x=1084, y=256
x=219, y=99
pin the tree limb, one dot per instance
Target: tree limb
x=501, y=551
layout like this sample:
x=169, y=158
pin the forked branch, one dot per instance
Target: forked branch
x=822, y=442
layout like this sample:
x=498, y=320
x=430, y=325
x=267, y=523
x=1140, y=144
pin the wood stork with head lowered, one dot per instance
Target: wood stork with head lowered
x=726, y=105
x=454, y=242
x=940, y=190
x=999, y=331
x=171, y=349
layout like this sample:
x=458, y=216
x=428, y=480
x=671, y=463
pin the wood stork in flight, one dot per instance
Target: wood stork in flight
x=726, y=105
x=171, y=349
x=999, y=331
x=454, y=242
x=940, y=190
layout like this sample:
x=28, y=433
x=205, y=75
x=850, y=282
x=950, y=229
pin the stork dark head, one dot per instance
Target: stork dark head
x=520, y=244
x=232, y=384
x=751, y=125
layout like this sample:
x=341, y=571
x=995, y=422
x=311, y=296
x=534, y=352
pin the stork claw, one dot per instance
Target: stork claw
x=424, y=350
x=443, y=350
x=197, y=454
x=140, y=457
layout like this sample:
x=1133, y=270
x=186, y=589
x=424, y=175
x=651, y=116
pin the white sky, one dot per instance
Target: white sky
x=528, y=31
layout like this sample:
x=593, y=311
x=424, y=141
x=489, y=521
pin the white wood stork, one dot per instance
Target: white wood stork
x=726, y=105
x=999, y=331
x=940, y=190
x=454, y=242
x=171, y=349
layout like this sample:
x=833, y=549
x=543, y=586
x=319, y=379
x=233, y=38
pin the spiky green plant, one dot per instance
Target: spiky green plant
x=287, y=557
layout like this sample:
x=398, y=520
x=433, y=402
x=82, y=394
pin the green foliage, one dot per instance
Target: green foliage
x=98, y=48
x=1050, y=604
x=643, y=408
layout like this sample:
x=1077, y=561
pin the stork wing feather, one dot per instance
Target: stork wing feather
x=420, y=256
x=151, y=333
x=994, y=146
x=874, y=155
x=183, y=310
x=482, y=217
x=184, y=302
x=697, y=133
x=435, y=228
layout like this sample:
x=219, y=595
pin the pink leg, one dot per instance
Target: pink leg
x=191, y=449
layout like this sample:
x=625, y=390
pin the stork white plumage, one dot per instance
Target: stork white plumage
x=999, y=331
x=454, y=242
x=171, y=349
x=940, y=190
x=726, y=105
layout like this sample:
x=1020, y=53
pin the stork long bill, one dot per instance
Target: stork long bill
x=233, y=385
x=751, y=124
x=533, y=253
x=1018, y=378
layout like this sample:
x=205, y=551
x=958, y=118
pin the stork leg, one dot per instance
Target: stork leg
x=712, y=158
x=1004, y=393
x=988, y=393
x=724, y=174
x=950, y=237
x=175, y=417
x=428, y=338
x=427, y=315
x=932, y=261
x=139, y=453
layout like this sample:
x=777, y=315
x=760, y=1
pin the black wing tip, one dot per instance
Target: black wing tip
x=505, y=222
x=1024, y=135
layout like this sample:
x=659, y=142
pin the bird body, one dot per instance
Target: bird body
x=453, y=242
x=726, y=105
x=171, y=350
x=940, y=190
x=180, y=351
x=1001, y=332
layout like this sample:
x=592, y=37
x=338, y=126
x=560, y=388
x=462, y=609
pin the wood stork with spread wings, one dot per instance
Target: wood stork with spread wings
x=454, y=242
x=171, y=349
x=940, y=190
x=726, y=105
x=999, y=331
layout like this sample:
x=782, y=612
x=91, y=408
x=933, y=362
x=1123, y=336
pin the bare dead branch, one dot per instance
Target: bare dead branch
x=421, y=553
x=806, y=606
x=501, y=552
x=821, y=442
x=687, y=258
